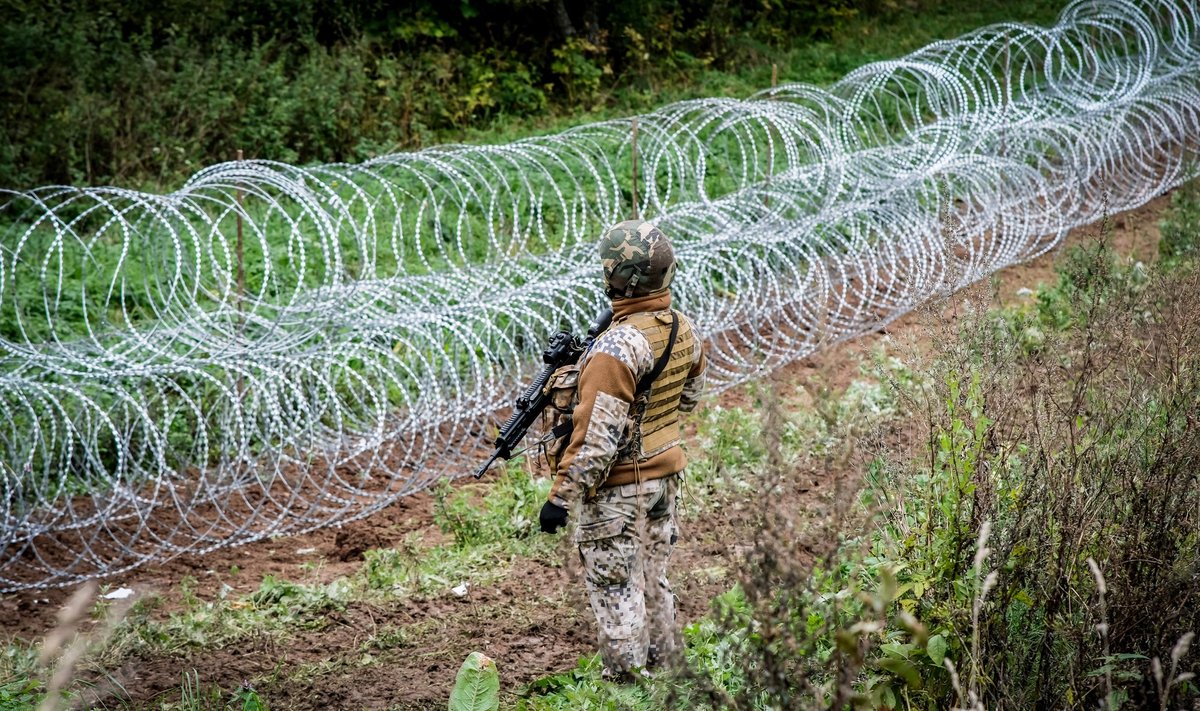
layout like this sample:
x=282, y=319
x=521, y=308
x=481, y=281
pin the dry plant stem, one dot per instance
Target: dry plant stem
x=1102, y=628
x=955, y=682
x=73, y=613
x=69, y=618
x=1174, y=678
x=981, y=554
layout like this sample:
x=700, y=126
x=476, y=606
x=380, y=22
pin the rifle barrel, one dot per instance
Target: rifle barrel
x=487, y=465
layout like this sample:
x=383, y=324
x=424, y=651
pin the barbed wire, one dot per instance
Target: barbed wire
x=272, y=349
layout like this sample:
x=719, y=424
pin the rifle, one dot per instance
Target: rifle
x=563, y=349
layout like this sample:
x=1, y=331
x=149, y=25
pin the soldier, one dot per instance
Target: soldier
x=620, y=471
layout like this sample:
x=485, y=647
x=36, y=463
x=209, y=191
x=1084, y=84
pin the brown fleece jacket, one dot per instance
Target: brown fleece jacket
x=607, y=383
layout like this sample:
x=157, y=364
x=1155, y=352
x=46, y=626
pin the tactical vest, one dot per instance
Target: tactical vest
x=655, y=413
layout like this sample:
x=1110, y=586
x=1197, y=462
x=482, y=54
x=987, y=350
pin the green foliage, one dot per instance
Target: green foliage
x=583, y=687
x=146, y=93
x=1180, y=226
x=386, y=638
x=477, y=685
x=17, y=661
x=290, y=599
x=415, y=570
x=19, y=690
x=730, y=446
x=1090, y=272
x=247, y=699
x=713, y=651
x=21, y=694
x=276, y=607
x=506, y=509
x=195, y=695
x=1057, y=448
x=576, y=69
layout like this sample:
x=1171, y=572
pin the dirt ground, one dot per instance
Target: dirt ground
x=533, y=622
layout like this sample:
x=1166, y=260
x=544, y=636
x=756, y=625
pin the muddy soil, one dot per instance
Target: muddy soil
x=533, y=622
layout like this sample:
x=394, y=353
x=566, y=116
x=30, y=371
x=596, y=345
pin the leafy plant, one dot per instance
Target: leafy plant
x=508, y=511
x=477, y=685
x=247, y=699
x=581, y=688
x=21, y=694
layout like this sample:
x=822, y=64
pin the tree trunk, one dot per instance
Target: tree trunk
x=562, y=19
x=591, y=22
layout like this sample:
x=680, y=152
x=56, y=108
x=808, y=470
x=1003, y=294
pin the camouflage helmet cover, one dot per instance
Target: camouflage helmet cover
x=637, y=260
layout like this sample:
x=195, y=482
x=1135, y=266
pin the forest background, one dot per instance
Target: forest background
x=142, y=93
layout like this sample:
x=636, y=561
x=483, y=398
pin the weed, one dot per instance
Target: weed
x=730, y=446
x=17, y=661
x=386, y=638
x=1180, y=226
x=247, y=699
x=422, y=572
x=194, y=695
x=582, y=687
x=23, y=693
x=277, y=607
x=1082, y=455
x=507, y=512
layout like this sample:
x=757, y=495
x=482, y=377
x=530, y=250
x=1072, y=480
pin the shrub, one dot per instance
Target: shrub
x=137, y=92
x=1034, y=540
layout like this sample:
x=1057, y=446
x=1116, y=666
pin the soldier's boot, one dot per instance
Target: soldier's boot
x=626, y=677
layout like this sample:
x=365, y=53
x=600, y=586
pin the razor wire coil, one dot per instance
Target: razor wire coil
x=168, y=386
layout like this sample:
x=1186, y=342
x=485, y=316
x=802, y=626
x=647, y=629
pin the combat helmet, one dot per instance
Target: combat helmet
x=637, y=260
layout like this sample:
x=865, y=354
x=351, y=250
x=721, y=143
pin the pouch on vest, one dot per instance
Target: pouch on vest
x=562, y=387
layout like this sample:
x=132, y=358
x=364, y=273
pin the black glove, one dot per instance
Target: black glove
x=553, y=517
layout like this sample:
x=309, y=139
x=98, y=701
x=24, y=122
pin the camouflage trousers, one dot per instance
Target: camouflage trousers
x=625, y=536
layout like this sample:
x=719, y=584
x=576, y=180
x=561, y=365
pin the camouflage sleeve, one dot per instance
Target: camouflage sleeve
x=607, y=382
x=693, y=387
